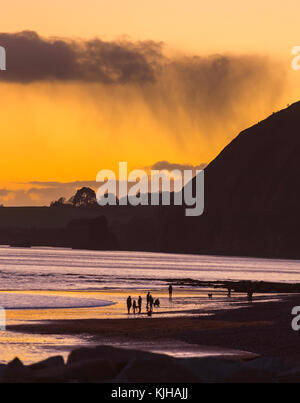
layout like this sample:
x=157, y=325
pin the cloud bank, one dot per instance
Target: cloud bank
x=32, y=58
x=204, y=92
x=169, y=166
x=44, y=192
x=199, y=90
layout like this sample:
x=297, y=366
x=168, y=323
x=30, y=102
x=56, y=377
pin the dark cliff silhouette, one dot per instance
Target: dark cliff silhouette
x=79, y=233
x=91, y=234
x=252, y=196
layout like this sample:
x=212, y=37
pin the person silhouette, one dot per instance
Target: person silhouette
x=170, y=291
x=129, y=304
x=148, y=300
x=157, y=303
x=151, y=300
x=140, y=304
x=134, y=306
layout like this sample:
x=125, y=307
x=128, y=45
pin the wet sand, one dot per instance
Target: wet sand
x=259, y=327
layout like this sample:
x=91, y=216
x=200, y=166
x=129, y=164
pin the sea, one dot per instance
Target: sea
x=58, y=279
x=68, y=269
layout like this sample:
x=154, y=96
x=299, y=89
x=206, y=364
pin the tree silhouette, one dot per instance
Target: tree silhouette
x=84, y=197
x=58, y=203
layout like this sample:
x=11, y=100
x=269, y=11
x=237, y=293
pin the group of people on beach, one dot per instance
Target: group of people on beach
x=150, y=303
x=134, y=305
x=137, y=306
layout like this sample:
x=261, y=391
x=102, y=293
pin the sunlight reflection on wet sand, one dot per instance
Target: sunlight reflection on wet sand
x=186, y=302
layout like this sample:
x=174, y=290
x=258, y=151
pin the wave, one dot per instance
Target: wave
x=13, y=300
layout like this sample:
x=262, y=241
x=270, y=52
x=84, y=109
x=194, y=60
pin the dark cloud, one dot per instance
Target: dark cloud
x=186, y=95
x=193, y=79
x=160, y=165
x=33, y=58
x=63, y=184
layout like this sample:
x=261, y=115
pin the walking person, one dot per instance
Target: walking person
x=140, y=304
x=129, y=304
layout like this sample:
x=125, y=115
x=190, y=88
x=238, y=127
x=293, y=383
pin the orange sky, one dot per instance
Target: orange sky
x=66, y=131
x=197, y=25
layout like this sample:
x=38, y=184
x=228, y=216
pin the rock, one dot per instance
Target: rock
x=163, y=370
x=49, y=375
x=249, y=375
x=106, y=363
x=274, y=365
x=81, y=371
x=290, y=376
x=56, y=361
x=2, y=368
x=97, y=370
x=15, y=371
x=109, y=353
x=264, y=369
x=213, y=369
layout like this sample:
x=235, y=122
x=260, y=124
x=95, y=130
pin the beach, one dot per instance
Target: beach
x=57, y=301
x=257, y=327
x=241, y=341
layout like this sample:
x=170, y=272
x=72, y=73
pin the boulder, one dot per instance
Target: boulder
x=16, y=371
x=263, y=369
x=52, y=374
x=109, y=353
x=97, y=370
x=56, y=361
x=2, y=368
x=271, y=364
x=213, y=369
x=290, y=376
x=161, y=370
x=248, y=375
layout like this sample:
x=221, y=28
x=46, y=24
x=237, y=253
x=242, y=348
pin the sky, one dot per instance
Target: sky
x=91, y=83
